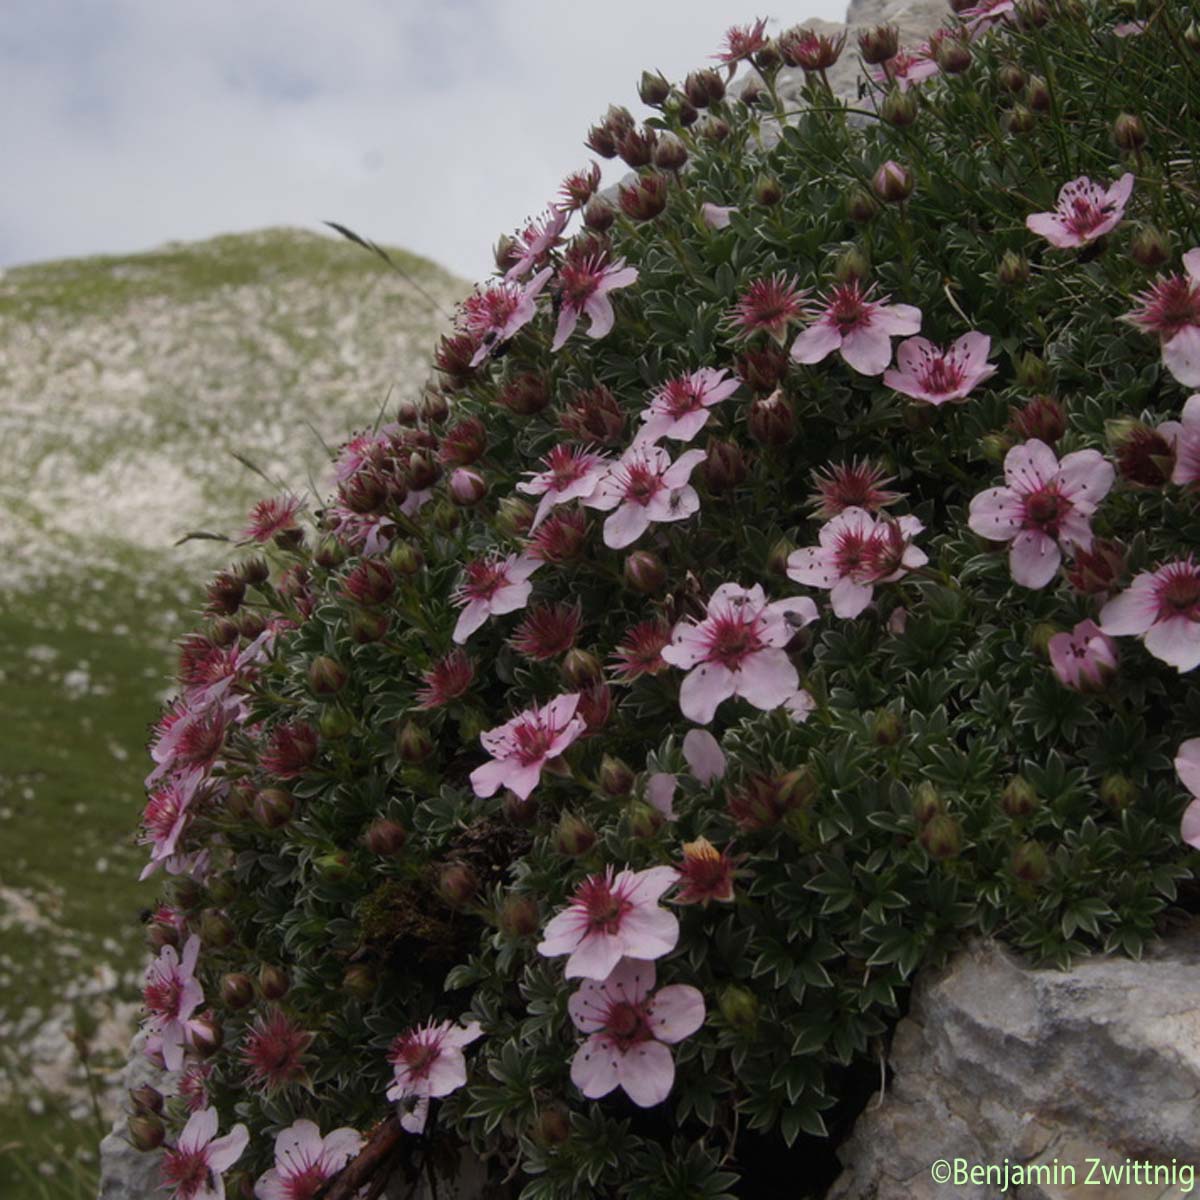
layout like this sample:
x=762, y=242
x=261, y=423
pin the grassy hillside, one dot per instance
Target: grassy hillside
x=127, y=384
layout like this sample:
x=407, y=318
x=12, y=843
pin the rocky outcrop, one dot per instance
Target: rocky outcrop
x=1058, y=1074
x=126, y=1173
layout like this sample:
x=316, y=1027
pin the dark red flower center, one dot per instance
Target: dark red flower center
x=1179, y=596
x=162, y=995
x=603, y=906
x=627, y=1024
x=1045, y=509
x=533, y=741
x=187, y=1170
x=642, y=484
x=733, y=639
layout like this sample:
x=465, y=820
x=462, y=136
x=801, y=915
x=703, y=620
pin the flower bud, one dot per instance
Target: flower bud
x=1033, y=374
x=251, y=624
x=1118, y=792
x=237, y=990
x=207, y=1034
x=762, y=367
x=670, y=154
x=715, y=130
x=1098, y=570
x=771, y=421
x=444, y=517
x=1032, y=14
x=777, y=558
x=467, y=486
x=899, y=108
x=330, y=553
x=225, y=593
x=739, y=1007
x=413, y=744
x=615, y=777
x=598, y=214
x=551, y=1127
x=146, y=1131
x=879, y=44
x=704, y=87
x=160, y=934
x=581, y=668
x=1037, y=95
x=768, y=190
x=526, y=395
x=1019, y=120
x=636, y=148
x=595, y=706
x=941, y=836
x=892, y=182
x=852, y=264
x=653, y=90
x=365, y=492
x=724, y=466
x=953, y=55
x=335, y=723
x=1143, y=456
x=216, y=929
x=370, y=583
x=645, y=573
x=146, y=1099
x=1011, y=78
x=359, y=980
x=223, y=633
x=861, y=206
x=644, y=199
x=253, y=571
x=457, y=884
x=326, y=676
x=573, y=836
x=385, y=838
x=927, y=803
x=273, y=808
x=367, y=627
x=273, y=982
x=504, y=254
x=886, y=728
x=463, y=443
x=1149, y=248
x=644, y=820
x=518, y=916
x=1042, y=418
x=1039, y=638
x=1129, y=132
x=1013, y=269
x=1019, y=798
x=1191, y=37
x=520, y=811
x=1029, y=862
x=514, y=516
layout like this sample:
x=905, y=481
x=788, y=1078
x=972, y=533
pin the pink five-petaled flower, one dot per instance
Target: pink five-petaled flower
x=304, y=1160
x=1162, y=608
x=741, y=41
x=645, y=486
x=269, y=517
x=274, y=1049
x=446, y=680
x=610, y=918
x=979, y=18
x=535, y=241
x=1187, y=767
x=925, y=372
x=904, y=69
x=167, y=813
x=571, y=474
x=584, y=284
x=1171, y=308
x=1084, y=212
x=1044, y=505
x=172, y=993
x=429, y=1063
x=522, y=746
x=680, y=407
x=856, y=325
x=706, y=761
x=1184, y=436
x=630, y=1029
x=855, y=553
x=497, y=313
x=491, y=587
x=1085, y=658
x=738, y=650
x=769, y=305
x=194, y=1166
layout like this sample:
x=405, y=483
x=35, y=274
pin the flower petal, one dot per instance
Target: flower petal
x=676, y=1012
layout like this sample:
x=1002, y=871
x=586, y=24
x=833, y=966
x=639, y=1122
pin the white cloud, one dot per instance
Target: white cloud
x=434, y=126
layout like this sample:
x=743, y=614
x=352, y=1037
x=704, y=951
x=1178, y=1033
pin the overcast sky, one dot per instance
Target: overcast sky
x=433, y=126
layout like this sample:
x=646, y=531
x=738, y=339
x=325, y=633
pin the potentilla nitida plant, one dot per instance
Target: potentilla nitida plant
x=789, y=571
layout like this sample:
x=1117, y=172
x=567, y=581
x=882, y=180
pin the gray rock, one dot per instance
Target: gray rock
x=127, y=1173
x=999, y=1063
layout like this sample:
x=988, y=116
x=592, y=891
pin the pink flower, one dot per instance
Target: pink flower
x=304, y=1160
x=570, y=474
x=171, y=993
x=703, y=755
x=535, y=241
x=856, y=484
x=769, y=305
x=1184, y=437
x=446, y=680
x=1043, y=508
x=584, y=284
x=640, y=653
x=1171, y=308
x=274, y=1049
x=1084, y=212
x=738, y=650
x=982, y=16
x=630, y=1029
x=925, y=372
x=497, y=313
x=611, y=918
x=716, y=216
x=741, y=41
x=194, y=1167
x=269, y=517
x=1161, y=607
x=491, y=587
x=679, y=409
x=578, y=188
x=1129, y=29
x=644, y=486
x=429, y=1062
x=857, y=326
x=855, y=553
x=522, y=746
x=1187, y=767
x=1085, y=658
x=167, y=813
x=904, y=69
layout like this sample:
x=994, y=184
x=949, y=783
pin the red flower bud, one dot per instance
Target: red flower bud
x=413, y=744
x=457, y=885
x=645, y=573
x=653, y=89
x=525, y=395
x=615, y=776
x=1042, y=418
x=670, y=154
x=879, y=44
x=645, y=199
x=518, y=916
x=467, y=487
x=146, y=1131
x=892, y=182
x=237, y=990
x=273, y=982
x=385, y=838
x=636, y=148
x=599, y=214
x=273, y=808
x=772, y=420
x=370, y=583
x=326, y=676
x=463, y=443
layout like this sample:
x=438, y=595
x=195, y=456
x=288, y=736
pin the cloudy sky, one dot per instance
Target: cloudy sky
x=433, y=126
